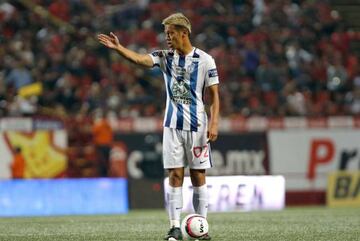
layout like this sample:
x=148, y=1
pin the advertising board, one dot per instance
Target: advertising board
x=33, y=154
x=305, y=157
x=240, y=154
x=42, y=197
x=238, y=193
x=343, y=189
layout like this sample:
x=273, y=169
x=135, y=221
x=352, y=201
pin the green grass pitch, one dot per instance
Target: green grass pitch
x=308, y=223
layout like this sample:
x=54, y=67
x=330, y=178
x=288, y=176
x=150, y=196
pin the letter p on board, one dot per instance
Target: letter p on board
x=321, y=151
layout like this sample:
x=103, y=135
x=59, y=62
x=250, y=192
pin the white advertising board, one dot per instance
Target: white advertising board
x=305, y=157
x=237, y=193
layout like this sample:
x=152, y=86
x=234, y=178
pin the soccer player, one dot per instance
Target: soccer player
x=187, y=72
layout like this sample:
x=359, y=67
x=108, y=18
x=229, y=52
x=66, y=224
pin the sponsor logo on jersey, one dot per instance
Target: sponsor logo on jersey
x=212, y=73
x=181, y=87
x=181, y=92
x=157, y=53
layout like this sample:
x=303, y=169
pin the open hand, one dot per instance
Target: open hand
x=110, y=41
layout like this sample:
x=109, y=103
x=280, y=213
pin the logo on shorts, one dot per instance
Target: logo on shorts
x=201, y=162
x=201, y=151
x=197, y=151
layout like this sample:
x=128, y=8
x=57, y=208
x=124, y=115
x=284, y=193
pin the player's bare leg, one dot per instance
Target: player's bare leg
x=198, y=177
x=175, y=202
x=176, y=177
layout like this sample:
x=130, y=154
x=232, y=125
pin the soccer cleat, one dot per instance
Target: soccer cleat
x=205, y=237
x=174, y=234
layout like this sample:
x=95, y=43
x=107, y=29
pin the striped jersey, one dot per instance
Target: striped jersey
x=186, y=78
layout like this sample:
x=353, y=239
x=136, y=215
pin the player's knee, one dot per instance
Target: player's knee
x=197, y=177
x=176, y=177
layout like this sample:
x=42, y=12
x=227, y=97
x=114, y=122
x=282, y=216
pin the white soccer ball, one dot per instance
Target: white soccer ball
x=194, y=226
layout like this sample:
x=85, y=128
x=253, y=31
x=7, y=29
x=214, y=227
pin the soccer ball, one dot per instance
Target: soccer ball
x=194, y=226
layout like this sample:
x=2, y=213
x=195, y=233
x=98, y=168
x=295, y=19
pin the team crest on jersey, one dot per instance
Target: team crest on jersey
x=191, y=67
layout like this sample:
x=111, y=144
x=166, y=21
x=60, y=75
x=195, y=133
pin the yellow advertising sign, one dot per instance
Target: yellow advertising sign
x=42, y=158
x=343, y=189
x=31, y=89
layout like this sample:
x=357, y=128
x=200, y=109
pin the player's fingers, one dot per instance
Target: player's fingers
x=212, y=137
x=103, y=41
x=102, y=36
x=209, y=136
x=113, y=35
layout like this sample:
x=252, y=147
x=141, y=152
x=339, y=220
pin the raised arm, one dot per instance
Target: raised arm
x=214, y=112
x=111, y=41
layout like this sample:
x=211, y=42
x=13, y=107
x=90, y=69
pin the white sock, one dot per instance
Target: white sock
x=200, y=200
x=175, y=204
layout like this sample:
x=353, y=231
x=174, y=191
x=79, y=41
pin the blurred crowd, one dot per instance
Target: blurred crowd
x=274, y=58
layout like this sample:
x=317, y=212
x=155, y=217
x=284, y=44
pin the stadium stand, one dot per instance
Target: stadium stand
x=275, y=58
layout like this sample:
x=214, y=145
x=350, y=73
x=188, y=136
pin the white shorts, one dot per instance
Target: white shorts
x=186, y=148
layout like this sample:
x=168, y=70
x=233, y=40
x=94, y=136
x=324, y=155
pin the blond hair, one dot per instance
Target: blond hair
x=178, y=19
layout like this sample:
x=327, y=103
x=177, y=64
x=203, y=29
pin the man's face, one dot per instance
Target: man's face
x=174, y=36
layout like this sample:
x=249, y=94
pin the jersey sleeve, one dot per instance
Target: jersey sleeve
x=211, y=75
x=157, y=58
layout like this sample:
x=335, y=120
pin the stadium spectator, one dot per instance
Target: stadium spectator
x=18, y=164
x=19, y=75
x=262, y=43
x=103, y=139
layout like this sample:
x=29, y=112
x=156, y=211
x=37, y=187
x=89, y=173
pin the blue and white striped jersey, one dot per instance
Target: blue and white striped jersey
x=186, y=78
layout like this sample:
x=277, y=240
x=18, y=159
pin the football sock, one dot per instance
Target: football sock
x=200, y=200
x=175, y=205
